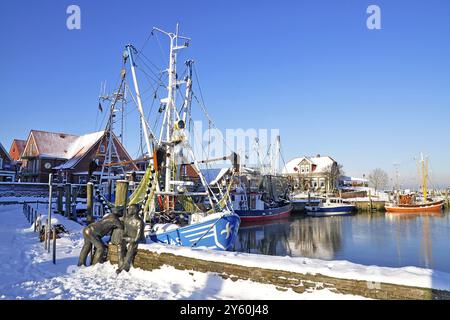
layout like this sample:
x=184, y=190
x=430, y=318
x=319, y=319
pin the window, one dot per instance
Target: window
x=322, y=183
x=253, y=202
x=307, y=169
x=102, y=148
x=1, y=163
x=302, y=170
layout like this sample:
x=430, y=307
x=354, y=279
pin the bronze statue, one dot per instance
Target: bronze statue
x=94, y=233
x=133, y=234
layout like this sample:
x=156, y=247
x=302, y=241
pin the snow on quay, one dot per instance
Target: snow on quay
x=27, y=272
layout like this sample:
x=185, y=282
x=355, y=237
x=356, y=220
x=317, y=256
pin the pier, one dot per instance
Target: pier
x=283, y=280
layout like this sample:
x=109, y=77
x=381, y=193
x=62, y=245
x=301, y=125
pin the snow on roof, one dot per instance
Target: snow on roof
x=52, y=144
x=221, y=174
x=321, y=164
x=79, y=148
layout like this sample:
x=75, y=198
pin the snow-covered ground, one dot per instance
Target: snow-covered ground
x=27, y=272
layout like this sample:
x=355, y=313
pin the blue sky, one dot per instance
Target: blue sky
x=368, y=98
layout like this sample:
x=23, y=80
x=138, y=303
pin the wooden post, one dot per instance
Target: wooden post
x=90, y=202
x=370, y=201
x=121, y=193
x=50, y=208
x=68, y=195
x=34, y=222
x=73, y=211
x=60, y=192
x=54, y=245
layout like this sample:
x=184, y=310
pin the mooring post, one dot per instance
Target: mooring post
x=50, y=205
x=54, y=245
x=90, y=202
x=68, y=195
x=59, y=205
x=121, y=193
x=34, y=222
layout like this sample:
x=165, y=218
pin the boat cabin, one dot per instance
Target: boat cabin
x=250, y=201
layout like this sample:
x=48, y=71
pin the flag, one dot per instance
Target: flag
x=100, y=107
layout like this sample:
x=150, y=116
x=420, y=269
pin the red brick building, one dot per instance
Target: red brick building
x=66, y=156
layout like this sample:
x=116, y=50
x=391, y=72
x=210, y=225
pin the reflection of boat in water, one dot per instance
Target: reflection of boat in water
x=410, y=203
x=296, y=237
x=330, y=207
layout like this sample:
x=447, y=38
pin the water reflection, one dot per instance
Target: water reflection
x=383, y=239
x=296, y=237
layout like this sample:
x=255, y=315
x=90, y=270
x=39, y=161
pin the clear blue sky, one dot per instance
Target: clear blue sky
x=368, y=98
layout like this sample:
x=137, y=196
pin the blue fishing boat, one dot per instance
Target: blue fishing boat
x=330, y=207
x=176, y=203
x=217, y=232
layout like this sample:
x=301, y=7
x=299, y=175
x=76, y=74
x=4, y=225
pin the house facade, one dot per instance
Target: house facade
x=7, y=168
x=68, y=157
x=315, y=174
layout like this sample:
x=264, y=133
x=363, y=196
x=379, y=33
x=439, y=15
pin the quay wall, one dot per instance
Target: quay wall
x=282, y=280
x=369, y=205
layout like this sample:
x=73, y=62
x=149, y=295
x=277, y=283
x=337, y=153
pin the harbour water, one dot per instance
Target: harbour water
x=382, y=239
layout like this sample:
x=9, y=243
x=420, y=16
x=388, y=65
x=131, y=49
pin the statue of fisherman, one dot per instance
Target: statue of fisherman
x=133, y=234
x=94, y=233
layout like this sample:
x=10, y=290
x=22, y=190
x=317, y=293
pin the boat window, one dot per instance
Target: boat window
x=253, y=202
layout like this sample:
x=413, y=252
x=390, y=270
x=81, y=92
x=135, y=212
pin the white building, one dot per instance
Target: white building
x=313, y=173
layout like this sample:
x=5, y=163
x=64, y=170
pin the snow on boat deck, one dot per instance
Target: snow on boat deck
x=26, y=272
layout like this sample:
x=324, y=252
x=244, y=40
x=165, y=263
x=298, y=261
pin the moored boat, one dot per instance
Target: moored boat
x=330, y=207
x=430, y=206
x=409, y=203
x=251, y=206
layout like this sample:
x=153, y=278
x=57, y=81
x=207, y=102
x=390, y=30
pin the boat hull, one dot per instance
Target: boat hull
x=329, y=211
x=300, y=205
x=429, y=207
x=265, y=215
x=214, y=234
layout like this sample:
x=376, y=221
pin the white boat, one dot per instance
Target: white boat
x=330, y=207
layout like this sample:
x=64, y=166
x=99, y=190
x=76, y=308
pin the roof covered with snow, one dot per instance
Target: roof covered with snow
x=79, y=148
x=52, y=144
x=321, y=163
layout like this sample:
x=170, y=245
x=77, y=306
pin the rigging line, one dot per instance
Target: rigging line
x=203, y=106
x=146, y=41
x=140, y=53
x=145, y=120
x=155, y=74
x=211, y=121
x=164, y=59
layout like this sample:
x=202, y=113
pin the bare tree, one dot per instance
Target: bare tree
x=378, y=178
x=332, y=174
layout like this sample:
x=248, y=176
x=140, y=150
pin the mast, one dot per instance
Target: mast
x=170, y=115
x=422, y=168
x=129, y=53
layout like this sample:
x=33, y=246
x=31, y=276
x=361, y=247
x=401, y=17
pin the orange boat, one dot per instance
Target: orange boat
x=407, y=203
x=434, y=206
